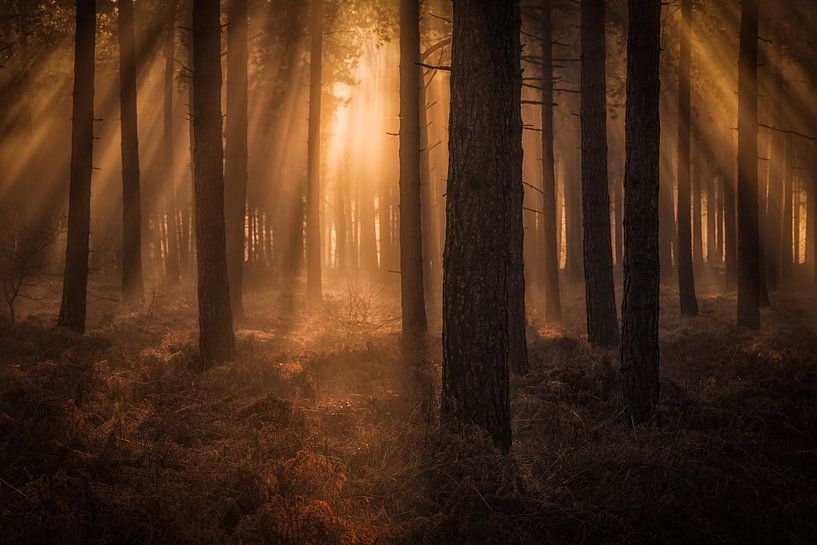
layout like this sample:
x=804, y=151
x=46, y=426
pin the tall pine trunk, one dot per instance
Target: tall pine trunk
x=686, y=277
x=235, y=165
x=602, y=322
x=75, y=279
x=640, y=307
x=483, y=216
x=171, y=192
x=786, y=244
x=748, y=243
x=729, y=212
x=711, y=216
x=313, y=182
x=216, y=339
x=132, y=284
x=411, y=223
x=553, y=305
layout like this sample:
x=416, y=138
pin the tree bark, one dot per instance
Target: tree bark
x=216, y=339
x=75, y=279
x=235, y=165
x=640, y=307
x=172, y=261
x=553, y=305
x=132, y=284
x=686, y=277
x=600, y=296
x=313, y=183
x=711, y=216
x=411, y=222
x=748, y=244
x=484, y=216
x=786, y=239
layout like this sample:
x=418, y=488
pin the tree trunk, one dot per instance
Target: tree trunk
x=132, y=284
x=216, y=340
x=411, y=222
x=686, y=277
x=313, y=183
x=75, y=279
x=484, y=216
x=235, y=165
x=553, y=305
x=730, y=214
x=748, y=247
x=640, y=307
x=786, y=239
x=698, y=175
x=600, y=296
x=711, y=216
x=172, y=261
x=431, y=272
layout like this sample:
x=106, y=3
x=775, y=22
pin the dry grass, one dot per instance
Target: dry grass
x=322, y=431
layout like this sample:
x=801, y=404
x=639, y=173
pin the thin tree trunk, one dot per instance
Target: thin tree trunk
x=411, y=221
x=216, y=339
x=431, y=272
x=75, y=279
x=686, y=277
x=313, y=184
x=730, y=217
x=699, y=175
x=235, y=165
x=553, y=305
x=484, y=216
x=748, y=247
x=172, y=261
x=640, y=307
x=600, y=296
x=786, y=239
x=711, y=216
x=132, y=284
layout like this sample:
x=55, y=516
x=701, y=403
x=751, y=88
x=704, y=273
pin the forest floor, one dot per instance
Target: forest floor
x=324, y=432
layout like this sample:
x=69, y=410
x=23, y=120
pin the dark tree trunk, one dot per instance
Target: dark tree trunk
x=600, y=296
x=786, y=239
x=432, y=278
x=686, y=278
x=574, y=265
x=75, y=279
x=667, y=231
x=730, y=213
x=216, y=340
x=411, y=222
x=711, y=216
x=313, y=182
x=235, y=165
x=172, y=261
x=640, y=308
x=748, y=244
x=718, y=182
x=132, y=285
x=484, y=216
x=553, y=305
x=697, y=178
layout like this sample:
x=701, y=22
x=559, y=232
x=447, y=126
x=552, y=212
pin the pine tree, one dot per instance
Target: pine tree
x=216, y=339
x=75, y=279
x=640, y=307
x=483, y=215
x=602, y=322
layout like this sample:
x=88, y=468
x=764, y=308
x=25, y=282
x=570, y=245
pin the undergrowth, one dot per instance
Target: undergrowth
x=319, y=433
